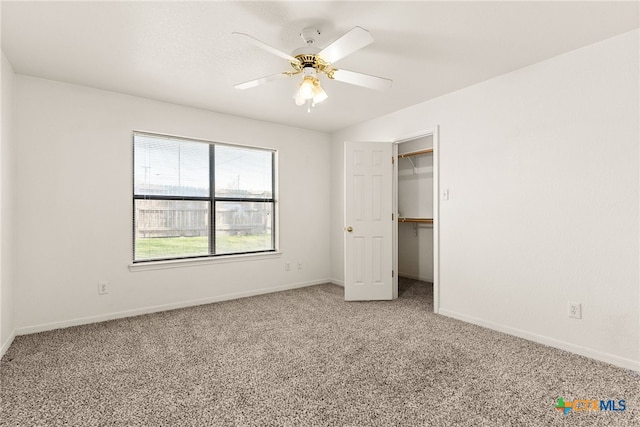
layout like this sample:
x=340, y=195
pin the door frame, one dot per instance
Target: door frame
x=434, y=133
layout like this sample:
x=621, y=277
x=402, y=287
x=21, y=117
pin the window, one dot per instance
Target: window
x=200, y=199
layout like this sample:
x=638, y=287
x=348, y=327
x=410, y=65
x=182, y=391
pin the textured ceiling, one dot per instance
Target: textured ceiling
x=184, y=52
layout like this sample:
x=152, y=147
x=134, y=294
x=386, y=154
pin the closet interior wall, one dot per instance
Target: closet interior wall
x=415, y=201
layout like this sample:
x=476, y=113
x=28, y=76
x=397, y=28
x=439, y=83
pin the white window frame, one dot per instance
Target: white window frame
x=172, y=262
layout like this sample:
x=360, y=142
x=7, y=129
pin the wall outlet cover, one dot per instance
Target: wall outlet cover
x=574, y=310
x=103, y=288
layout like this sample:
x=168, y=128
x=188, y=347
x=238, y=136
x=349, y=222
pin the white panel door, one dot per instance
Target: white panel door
x=368, y=227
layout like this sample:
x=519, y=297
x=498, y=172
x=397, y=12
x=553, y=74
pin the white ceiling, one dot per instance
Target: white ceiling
x=184, y=52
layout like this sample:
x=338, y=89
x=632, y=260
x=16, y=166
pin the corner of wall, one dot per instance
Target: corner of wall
x=6, y=344
x=7, y=321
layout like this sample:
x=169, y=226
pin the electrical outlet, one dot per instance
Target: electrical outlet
x=574, y=309
x=287, y=266
x=299, y=266
x=103, y=287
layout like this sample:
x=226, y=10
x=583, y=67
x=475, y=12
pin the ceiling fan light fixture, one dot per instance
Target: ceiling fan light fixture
x=298, y=99
x=320, y=95
x=309, y=91
x=307, y=87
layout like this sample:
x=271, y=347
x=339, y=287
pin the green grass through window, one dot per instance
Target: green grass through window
x=175, y=247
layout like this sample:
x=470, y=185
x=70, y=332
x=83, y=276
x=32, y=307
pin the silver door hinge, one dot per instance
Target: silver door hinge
x=393, y=160
x=393, y=273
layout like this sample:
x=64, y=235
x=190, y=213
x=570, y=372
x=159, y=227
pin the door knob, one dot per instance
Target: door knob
x=349, y=229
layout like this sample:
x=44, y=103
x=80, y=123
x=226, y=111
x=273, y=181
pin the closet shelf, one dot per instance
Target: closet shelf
x=415, y=153
x=421, y=220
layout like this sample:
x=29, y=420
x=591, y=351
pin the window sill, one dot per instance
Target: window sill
x=179, y=263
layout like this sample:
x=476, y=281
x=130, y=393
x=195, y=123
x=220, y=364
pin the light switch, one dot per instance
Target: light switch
x=444, y=195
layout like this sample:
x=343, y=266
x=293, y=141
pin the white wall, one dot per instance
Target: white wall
x=74, y=206
x=542, y=165
x=6, y=217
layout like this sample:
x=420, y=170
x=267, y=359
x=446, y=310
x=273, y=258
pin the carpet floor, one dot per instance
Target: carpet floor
x=303, y=357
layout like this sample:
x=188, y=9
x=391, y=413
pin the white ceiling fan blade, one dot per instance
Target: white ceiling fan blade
x=260, y=81
x=266, y=47
x=354, y=39
x=360, y=79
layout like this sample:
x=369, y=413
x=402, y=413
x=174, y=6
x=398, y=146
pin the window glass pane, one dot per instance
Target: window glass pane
x=243, y=172
x=244, y=227
x=171, y=228
x=171, y=167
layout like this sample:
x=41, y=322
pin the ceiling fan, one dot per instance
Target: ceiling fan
x=311, y=62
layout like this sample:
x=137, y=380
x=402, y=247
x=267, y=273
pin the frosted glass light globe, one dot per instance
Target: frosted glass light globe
x=306, y=89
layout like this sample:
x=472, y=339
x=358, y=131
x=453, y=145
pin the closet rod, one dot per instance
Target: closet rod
x=415, y=153
x=423, y=220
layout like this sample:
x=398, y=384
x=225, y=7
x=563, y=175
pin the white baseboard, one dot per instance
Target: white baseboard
x=551, y=342
x=7, y=343
x=415, y=277
x=158, y=308
x=337, y=282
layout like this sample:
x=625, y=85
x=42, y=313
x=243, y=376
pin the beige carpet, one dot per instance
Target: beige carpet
x=302, y=358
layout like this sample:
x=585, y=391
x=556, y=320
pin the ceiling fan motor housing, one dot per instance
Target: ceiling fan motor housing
x=308, y=62
x=307, y=55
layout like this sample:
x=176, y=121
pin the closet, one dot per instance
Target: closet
x=415, y=209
